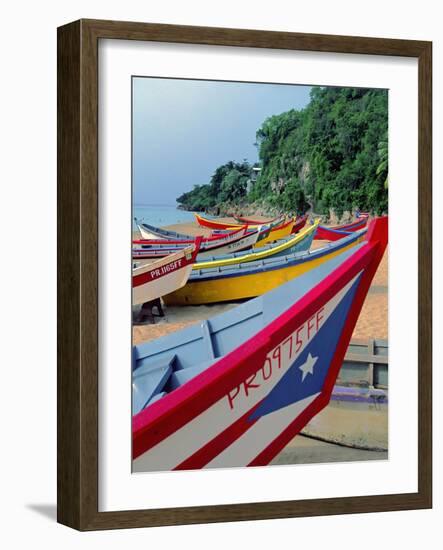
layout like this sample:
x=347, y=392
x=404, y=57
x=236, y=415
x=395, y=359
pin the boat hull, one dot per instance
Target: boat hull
x=151, y=232
x=277, y=233
x=299, y=223
x=159, y=278
x=156, y=288
x=215, y=224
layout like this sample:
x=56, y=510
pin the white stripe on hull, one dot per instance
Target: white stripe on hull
x=184, y=442
x=263, y=432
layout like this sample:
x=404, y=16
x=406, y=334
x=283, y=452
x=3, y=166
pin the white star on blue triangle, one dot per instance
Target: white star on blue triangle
x=306, y=376
x=308, y=367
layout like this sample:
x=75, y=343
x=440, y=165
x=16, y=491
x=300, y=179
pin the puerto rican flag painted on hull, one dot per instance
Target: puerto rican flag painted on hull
x=247, y=406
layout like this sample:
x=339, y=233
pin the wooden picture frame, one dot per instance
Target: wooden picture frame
x=78, y=273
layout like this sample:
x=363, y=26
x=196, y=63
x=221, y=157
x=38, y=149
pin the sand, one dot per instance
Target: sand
x=307, y=450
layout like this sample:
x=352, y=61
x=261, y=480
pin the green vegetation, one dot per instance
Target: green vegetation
x=228, y=184
x=333, y=154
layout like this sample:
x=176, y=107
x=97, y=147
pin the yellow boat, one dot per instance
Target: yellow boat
x=277, y=233
x=297, y=243
x=247, y=280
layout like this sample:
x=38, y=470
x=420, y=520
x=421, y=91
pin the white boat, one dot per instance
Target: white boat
x=164, y=275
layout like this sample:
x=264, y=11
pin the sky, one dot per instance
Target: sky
x=184, y=129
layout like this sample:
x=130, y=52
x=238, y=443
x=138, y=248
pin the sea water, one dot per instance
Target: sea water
x=160, y=215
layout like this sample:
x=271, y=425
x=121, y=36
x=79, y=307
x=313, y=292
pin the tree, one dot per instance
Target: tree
x=382, y=168
x=334, y=151
x=233, y=186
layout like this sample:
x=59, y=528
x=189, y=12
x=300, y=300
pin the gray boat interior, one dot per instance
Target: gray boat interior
x=164, y=364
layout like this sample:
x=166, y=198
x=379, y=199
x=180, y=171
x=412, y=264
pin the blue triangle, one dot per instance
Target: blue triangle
x=320, y=352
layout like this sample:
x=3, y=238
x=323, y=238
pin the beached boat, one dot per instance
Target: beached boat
x=337, y=232
x=148, y=231
x=234, y=390
x=233, y=242
x=216, y=224
x=294, y=243
x=327, y=234
x=164, y=275
x=242, y=281
x=274, y=223
x=300, y=222
x=277, y=232
x=251, y=221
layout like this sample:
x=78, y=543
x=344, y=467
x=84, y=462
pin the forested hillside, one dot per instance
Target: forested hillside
x=330, y=155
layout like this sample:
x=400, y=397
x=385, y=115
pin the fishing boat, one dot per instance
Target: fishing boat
x=248, y=280
x=299, y=223
x=277, y=232
x=294, y=243
x=327, y=234
x=234, y=390
x=273, y=223
x=250, y=221
x=217, y=224
x=336, y=232
x=164, y=275
x=148, y=231
x=233, y=242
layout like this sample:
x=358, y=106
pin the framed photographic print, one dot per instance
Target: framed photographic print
x=233, y=343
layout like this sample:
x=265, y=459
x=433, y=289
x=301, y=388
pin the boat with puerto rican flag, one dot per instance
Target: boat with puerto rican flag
x=163, y=276
x=235, y=241
x=294, y=243
x=234, y=390
x=251, y=279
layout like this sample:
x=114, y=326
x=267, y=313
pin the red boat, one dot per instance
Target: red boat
x=250, y=221
x=339, y=231
x=299, y=223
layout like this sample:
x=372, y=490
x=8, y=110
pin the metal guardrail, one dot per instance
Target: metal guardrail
x=365, y=364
